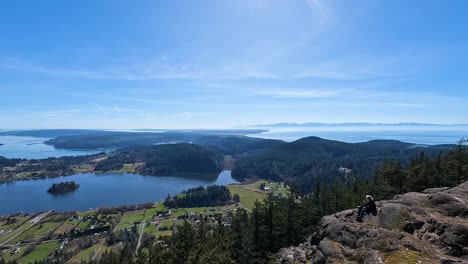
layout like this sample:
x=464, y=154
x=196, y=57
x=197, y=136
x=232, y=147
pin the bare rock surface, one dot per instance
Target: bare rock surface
x=427, y=227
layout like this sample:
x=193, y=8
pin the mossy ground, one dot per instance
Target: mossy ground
x=407, y=256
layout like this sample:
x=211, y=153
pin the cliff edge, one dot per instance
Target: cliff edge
x=427, y=227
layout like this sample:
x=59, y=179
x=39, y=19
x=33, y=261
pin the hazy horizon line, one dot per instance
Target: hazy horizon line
x=247, y=127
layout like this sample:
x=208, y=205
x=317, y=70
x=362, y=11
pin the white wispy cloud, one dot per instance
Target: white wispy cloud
x=56, y=113
x=101, y=108
x=300, y=94
x=334, y=51
x=343, y=68
x=136, y=72
x=188, y=115
x=113, y=109
x=39, y=114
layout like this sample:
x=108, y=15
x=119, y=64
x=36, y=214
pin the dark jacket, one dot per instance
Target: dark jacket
x=370, y=206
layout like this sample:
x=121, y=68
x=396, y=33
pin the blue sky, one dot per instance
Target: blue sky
x=223, y=63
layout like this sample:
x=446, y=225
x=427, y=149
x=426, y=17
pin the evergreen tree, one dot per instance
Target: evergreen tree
x=182, y=242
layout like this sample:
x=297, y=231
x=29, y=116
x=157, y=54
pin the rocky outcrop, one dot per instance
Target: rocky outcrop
x=428, y=227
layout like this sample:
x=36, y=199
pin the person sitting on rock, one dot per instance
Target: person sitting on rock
x=367, y=208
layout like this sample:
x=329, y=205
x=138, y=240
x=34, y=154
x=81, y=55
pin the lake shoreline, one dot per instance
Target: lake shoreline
x=182, y=175
x=98, y=190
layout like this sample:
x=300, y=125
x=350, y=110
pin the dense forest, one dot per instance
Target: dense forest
x=165, y=159
x=310, y=160
x=214, y=195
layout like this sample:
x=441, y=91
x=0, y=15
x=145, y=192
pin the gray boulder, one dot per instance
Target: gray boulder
x=427, y=227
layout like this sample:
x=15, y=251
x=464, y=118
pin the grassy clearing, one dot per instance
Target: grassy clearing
x=37, y=231
x=128, y=168
x=105, y=248
x=41, y=252
x=247, y=197
x=65, y=228
x=164, y=233
x=248, y=193
x=95, y=250
x=85, y=255
x=167, y=224
x=151, y=212
x=129, y=219
x=19, y=221
x=83, y=168
x=151, y=228
x=14, y=232
x=86, y=213
x=277, y=188
x=84, y=225
x=9, y=257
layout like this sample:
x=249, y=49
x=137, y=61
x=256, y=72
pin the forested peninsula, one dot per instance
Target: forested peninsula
x=170, y=159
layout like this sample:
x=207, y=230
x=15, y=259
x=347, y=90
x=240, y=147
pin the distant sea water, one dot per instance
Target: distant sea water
x=354, y=135
x=34, y=148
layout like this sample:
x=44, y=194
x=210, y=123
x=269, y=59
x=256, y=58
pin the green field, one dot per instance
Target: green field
x=41, y=252
x=83, y=168
x=129, y=219
x=7, y=257
x=66, y=227
x=86, y=213
x=37, y=231
x=84, y=225
x=151, y=228
x=248, y=193
x=14, y=232
x=275, y=187
x=164, y=233
x=85, y=255
x=19, y=221
x=128, y=168
x=247, y=197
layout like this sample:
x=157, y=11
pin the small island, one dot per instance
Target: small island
x=63, y=187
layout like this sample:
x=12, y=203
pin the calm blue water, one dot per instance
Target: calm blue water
x=429, y=137
x=34, y=148
x=97, y=190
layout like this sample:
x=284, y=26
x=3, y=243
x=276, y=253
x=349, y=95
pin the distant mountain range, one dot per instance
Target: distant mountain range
x=357, y=124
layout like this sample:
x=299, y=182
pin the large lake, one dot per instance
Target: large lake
x=34, y=148
x=97, y=190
